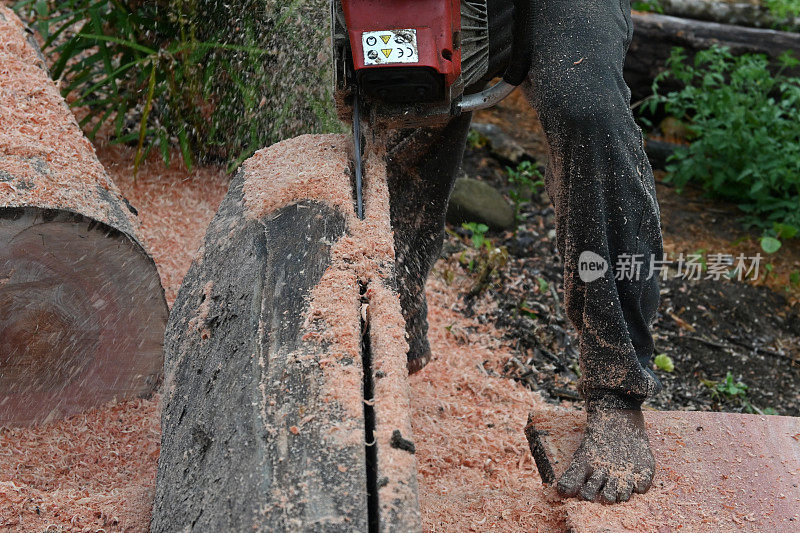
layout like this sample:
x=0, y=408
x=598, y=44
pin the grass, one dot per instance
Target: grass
x=166, y=73
x=743, y=124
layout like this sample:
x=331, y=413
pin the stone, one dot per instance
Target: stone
x=501, y=144
x=476, y=201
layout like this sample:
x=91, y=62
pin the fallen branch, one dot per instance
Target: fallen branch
x=655, y=35
x=729, y=12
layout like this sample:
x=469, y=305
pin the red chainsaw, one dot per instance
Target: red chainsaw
x=412, y=63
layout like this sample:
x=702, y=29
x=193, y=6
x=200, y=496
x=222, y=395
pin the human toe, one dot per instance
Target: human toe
x=609, y=492
x=572, y=480
x=593, y=485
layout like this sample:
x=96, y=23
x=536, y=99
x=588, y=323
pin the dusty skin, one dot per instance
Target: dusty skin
x=613, y=460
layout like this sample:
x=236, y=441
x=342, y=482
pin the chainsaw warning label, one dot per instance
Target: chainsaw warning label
x=390, y=46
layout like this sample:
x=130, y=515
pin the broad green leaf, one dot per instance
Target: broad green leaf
x=770, y=244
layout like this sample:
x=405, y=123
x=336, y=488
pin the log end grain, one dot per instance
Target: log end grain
x=82, y=316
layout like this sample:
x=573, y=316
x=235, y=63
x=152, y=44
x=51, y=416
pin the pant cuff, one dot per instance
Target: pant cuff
x=605, y=400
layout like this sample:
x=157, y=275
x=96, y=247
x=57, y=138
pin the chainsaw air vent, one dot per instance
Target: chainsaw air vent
x=474, y=40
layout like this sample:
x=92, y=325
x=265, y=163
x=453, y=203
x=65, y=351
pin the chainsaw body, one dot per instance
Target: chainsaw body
x=410, y=61
x=407, y=63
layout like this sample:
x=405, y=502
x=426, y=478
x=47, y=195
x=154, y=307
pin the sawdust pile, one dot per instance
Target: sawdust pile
x=476, y=472
x=45, y=160
x=91, y=472
x=717, y=472
x=175, y=206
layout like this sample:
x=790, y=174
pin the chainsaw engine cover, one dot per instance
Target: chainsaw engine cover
x=389, y=33
x=403, y=84
x=410, y=61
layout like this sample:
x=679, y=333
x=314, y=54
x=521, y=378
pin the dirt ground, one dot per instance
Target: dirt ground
x=709, y=326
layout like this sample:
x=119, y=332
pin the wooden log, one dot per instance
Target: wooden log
x=284, y=328
x=654, y=37
x=82, y=311
x=743, y=13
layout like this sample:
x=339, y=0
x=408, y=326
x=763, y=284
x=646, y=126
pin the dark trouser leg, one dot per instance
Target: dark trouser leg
x=422, y=167
x=602, y=188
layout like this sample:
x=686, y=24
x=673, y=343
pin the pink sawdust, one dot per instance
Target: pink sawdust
x=175, y=206
x=476, y=473
x=90, y=472
x=45, y=160
x=716, y=472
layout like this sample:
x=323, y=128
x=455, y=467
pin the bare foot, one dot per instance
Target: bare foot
x=613, y=460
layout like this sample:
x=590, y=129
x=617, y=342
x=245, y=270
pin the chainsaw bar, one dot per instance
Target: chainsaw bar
x=358, y=164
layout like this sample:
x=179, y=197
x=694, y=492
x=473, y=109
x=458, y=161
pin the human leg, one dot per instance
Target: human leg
x=422, y=167
x=603, y=192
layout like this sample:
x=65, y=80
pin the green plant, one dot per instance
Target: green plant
x=727, y=389
x=735, y=392
x=544, y=286
x=475, y=139
x=478, y=233
x=700, y=257
x=794, y=278
x=525, y=309
x=188, y=73
x=771, y=240
x=769, y=267
x=648, y=5
x=744, y=121
x=485, y=259
x=136, y=65
x=770, y=244
x=664, y=362
x=524, y=180
x=783, y=8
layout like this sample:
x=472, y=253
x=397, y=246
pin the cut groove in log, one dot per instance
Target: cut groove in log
x=264, y=422
x=82, y=311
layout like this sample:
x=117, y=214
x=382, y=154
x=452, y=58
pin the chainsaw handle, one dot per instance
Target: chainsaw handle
x=522, y=45
x=486, y=98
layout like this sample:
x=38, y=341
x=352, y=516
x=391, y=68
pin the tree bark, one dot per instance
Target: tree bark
x=654, y=37
x=743, y=13
x=82, y=311
x=269, y=420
